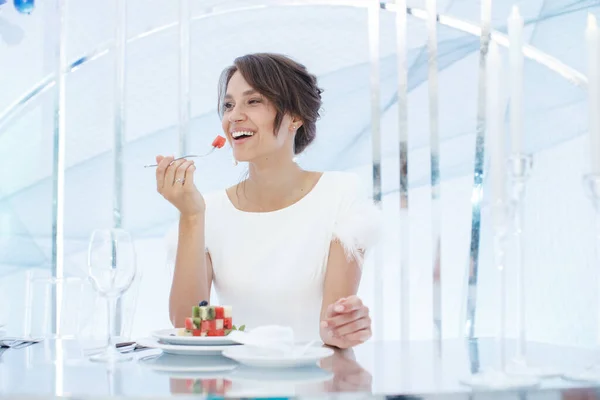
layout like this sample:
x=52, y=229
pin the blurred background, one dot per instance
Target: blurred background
x=332, y=41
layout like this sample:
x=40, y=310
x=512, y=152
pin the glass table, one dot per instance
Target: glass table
x=375, y=369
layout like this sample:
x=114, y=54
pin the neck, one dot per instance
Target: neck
x=271, y=176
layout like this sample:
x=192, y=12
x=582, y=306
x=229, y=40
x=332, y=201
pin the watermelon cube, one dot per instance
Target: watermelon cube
x=197, y=332
x=216, y=332
x=227, y=323
x=189, y=323
x=227, y=312
x=209, y=325
x=219, y=312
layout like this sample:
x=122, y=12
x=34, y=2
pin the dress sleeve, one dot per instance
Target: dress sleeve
x=358, y=223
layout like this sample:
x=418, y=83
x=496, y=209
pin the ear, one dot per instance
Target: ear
x=295, y=124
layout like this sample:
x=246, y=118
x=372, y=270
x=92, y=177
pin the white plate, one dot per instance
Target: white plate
x=180, y=366
x=166, y=335
x=183, y=350
x=257, y=357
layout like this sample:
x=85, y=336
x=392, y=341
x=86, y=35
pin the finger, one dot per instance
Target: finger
x=180, y=173
x=171, y=170
x=349, y=304
x=359, y=337
x=189, y=176
x=329, y=312
x=354, y=326
x=342, y=319
x=161, y=170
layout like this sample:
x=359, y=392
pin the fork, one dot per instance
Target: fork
x=182, y=157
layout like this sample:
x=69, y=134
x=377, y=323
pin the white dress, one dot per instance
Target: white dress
x=270, y=266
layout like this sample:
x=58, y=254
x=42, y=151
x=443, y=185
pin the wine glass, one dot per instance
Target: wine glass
x=112, y=269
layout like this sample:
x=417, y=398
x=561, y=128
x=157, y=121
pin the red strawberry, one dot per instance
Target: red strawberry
x=218, y=142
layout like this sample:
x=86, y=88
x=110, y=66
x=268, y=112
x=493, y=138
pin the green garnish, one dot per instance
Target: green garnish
x=234, y=328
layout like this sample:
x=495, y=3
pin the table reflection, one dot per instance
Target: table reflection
x=348, y=374
x=338, y=373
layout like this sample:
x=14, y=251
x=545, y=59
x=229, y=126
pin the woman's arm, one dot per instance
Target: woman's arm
x=193, y=275
x=349, y=325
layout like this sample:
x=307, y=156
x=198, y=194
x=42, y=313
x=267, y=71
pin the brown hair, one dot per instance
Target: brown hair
x=285, y=83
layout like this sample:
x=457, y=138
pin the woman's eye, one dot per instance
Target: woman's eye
x=254, y=101
x=227, y=106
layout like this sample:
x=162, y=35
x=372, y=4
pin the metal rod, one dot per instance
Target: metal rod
x=373, y=26
x=477, y=191
x=119, y=132
x=58, y=165
x=401, y=50
x=184, y=75
x=434, y=146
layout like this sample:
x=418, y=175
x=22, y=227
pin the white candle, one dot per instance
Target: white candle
x=496, y=124
x=486, y=12
x=593, y=42
x=515, y=35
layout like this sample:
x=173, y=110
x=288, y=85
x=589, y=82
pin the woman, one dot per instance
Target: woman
x=285, y=246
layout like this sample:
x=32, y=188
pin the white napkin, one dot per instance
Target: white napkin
x=271, y=340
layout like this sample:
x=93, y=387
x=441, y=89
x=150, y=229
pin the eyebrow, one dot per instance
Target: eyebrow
x=246, y=93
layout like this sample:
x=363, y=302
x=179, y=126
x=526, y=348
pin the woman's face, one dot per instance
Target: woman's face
x=249, y=120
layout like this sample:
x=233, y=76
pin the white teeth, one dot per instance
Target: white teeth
x=242, y=133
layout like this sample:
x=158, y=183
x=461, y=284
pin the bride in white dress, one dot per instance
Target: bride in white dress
x=285, y=246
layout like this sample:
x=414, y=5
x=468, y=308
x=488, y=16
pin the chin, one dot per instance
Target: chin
x=243, y=157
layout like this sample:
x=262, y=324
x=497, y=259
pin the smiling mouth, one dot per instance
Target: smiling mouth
x=242, y=135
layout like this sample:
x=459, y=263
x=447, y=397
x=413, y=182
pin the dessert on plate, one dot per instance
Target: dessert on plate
x=207, y=320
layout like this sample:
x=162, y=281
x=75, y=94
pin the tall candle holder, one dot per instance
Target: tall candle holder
x=519, y=169
x=591, y=185
x=498, y=377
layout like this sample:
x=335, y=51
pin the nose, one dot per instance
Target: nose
x=236, y=114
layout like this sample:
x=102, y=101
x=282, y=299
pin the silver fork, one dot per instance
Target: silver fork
x=182, y=157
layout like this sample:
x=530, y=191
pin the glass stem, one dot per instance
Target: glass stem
x=111, y=302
